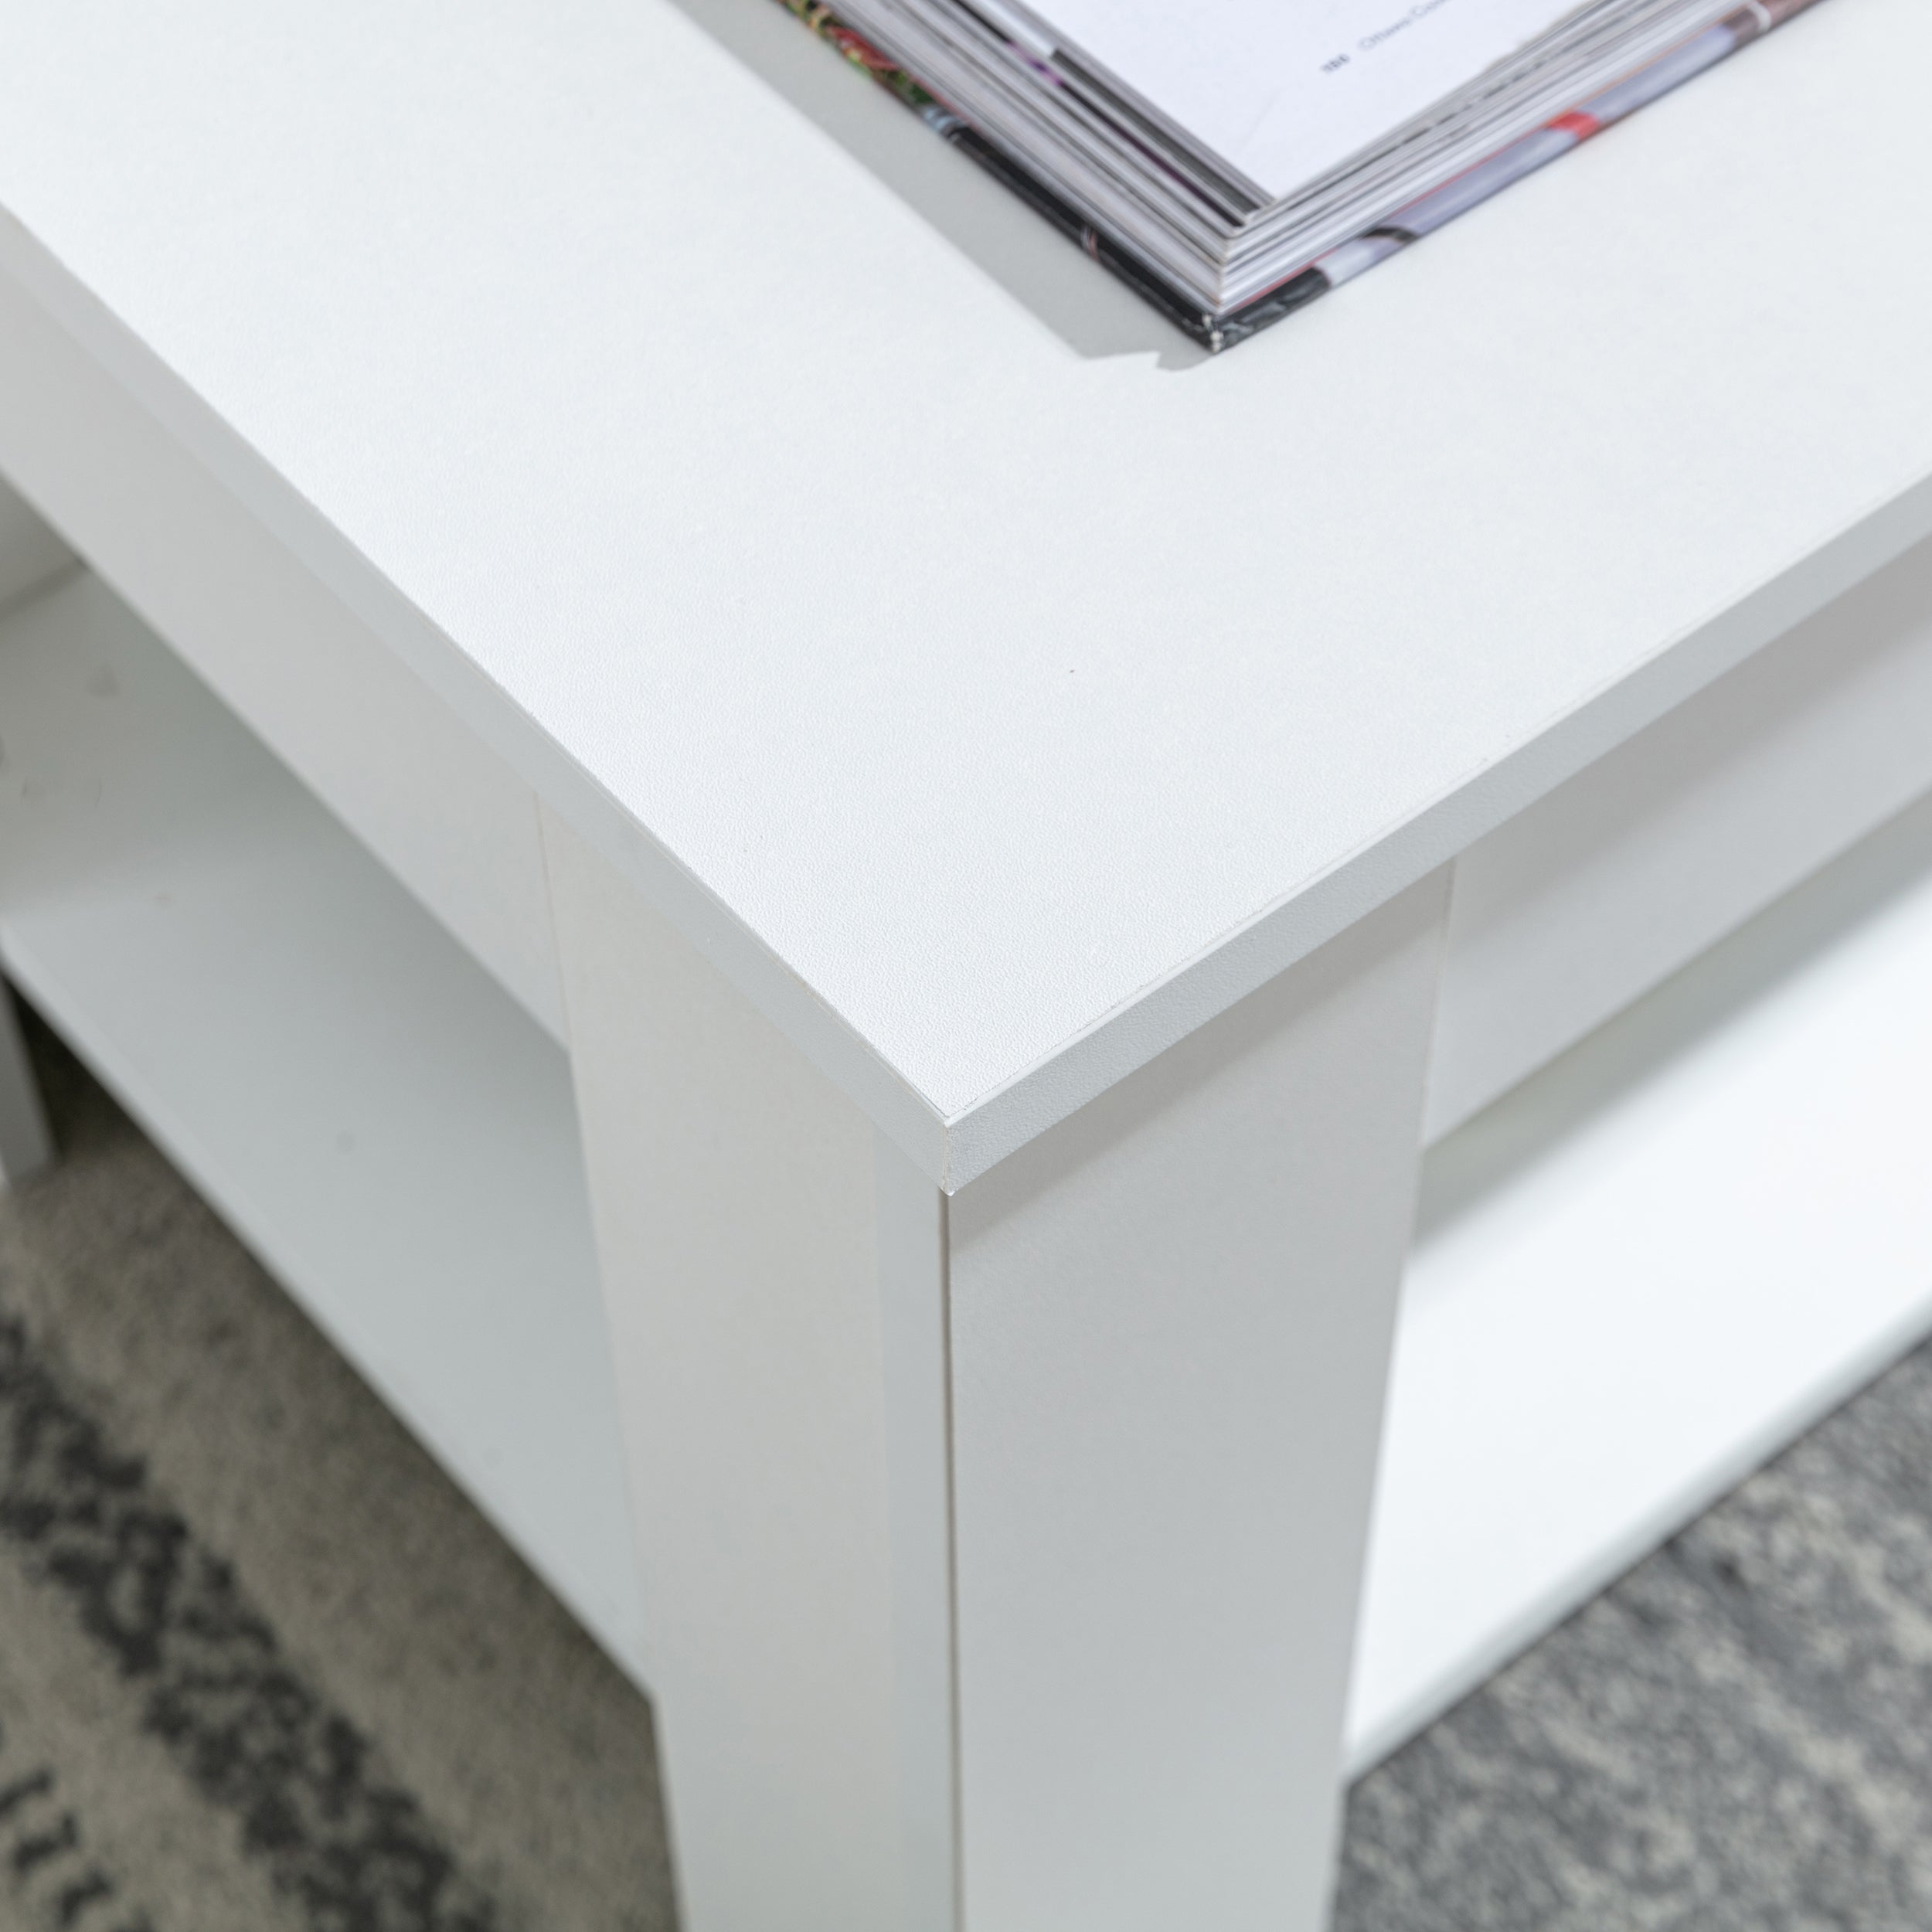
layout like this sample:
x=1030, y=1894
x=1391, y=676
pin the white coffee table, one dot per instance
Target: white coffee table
x=1023, y=835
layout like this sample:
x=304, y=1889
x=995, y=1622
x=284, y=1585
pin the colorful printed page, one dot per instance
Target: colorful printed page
x=1283, y=90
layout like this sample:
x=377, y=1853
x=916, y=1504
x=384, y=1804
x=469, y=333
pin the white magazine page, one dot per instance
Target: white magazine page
x=1284, y=90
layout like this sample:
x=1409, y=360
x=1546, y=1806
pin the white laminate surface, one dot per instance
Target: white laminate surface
x=995, y=689
x=1647, y=1270
x=1629, y=871
x=382, y=1125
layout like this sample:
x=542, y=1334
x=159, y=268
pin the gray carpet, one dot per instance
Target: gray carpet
x=261, y=1667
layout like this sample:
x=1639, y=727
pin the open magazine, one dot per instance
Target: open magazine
x=1234, y=159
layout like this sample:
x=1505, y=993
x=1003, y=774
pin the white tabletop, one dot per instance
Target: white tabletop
x=996, y=688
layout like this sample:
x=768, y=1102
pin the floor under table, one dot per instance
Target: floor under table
x=1734, y=1735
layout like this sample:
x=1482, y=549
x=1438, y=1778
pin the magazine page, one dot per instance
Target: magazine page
x=1282, y=91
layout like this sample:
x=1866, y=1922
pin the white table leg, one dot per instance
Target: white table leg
x=1001, y=1555
x=1171, y=1319
x=25, y=1144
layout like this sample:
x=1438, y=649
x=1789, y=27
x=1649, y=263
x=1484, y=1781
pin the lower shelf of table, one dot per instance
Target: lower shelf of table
x=390, y=1132
x=1650, y=1268
x=1642, y=1272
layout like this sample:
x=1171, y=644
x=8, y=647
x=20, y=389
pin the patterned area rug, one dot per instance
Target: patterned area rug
x=1736, y=1738
x=262, y=1669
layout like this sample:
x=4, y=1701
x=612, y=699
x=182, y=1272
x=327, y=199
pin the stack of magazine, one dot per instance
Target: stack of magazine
x=1233, y=159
